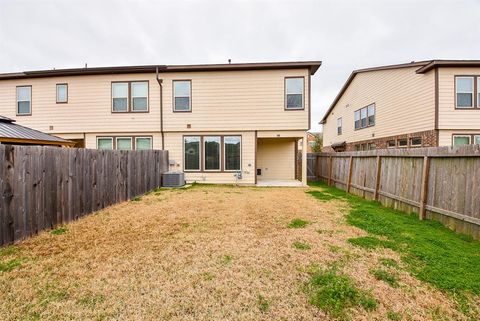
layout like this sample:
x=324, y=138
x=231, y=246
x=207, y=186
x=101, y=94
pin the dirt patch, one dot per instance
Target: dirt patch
x=204, y=253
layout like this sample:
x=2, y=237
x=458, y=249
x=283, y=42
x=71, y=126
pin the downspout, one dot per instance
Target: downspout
x=160, y=81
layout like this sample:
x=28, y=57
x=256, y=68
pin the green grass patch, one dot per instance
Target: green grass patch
x=301, y=246
x=431, y=252
x=385, y=276
x=336, y=293
x=136, y=199
x=263, y=304
x=297, y=223
x=370, y=242
x=9, y=265
x=8, y=250
x=227, y=259
x=394, y=316
x=59, y=231
x=389, y=263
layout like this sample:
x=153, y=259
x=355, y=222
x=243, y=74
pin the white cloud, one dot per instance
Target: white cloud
x=345, y=35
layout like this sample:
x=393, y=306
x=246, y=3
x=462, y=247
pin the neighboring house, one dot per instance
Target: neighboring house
x=216, y=121
x=311, y=139
x=14, y=134
x=418, y=104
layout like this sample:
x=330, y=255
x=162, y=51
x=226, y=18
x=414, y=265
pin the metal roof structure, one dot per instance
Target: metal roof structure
x=14, y=133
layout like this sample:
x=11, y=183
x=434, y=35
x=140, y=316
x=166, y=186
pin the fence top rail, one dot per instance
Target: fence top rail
x=460, y=151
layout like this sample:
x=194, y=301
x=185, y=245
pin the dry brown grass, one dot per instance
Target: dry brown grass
x=205, y=253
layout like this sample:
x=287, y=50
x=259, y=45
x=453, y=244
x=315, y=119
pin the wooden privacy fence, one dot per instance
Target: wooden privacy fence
x=41, y=187
x=440, y=183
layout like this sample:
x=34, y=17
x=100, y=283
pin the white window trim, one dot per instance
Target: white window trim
x=302, y=107
x=17, y=101
x=219, y=155
x=123, y=137
x=189, y=96
x=66, y=94
x=393, y=145
x=398, y=143
x=475, y=138
x=468, y=136
x=109, y=138
x=461, y=92
x=128, y=100
x=200, y=149
x=143, y=137
x=416, y=145
x=339, y=120
x=132, y=96
x=224, y=156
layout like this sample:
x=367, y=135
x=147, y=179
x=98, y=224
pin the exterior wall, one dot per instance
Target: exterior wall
x=404, y=103
x=222, y=100
x=448, y=116
x=276, y=158
x=445, y=137
x=223, y=103
x=174, y=145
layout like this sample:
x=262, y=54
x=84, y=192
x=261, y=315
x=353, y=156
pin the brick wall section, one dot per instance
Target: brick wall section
x=429, y=139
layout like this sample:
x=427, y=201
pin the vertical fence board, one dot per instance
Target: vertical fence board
x=441, y=183
x=42, y=187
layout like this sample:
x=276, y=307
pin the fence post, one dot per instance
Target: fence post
x=424, y=190
x=377, y=177
x=349, y=178
x=8, y=197
x=330, y=167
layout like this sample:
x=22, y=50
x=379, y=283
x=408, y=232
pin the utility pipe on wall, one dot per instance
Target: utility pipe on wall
x=160, y=82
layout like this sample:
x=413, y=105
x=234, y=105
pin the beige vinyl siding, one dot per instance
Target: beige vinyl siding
x=276, y=158
x=174, y=145
x=221, y=100
x=88, y=108
x=404, y=103
x=445, y=136
x=448, y=116
x=236, y=100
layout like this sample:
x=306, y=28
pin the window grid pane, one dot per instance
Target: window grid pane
x=192, y=153
x=464, y=91
x=143, y=143
x=24, y=93
x=124, y=143
x=61, y=93
x=212, y=153
x=294, y=93
x=232, y=148
x=181, y=95
x=105, y=143
x=477, y=139
x=461, y=140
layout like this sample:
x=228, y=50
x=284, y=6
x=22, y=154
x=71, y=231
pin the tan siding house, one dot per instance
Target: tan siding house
x=216, y=121
x=406, y=106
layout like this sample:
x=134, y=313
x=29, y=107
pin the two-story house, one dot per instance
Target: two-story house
x=221, y=123
x=417, y=104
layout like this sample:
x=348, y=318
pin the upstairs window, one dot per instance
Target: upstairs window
x=62, y=93
x=365, y=117
x=139, y=96
x=24, y=100
x=464, y=92
x=130, y=96
x=339, y=126
x=294, y=93
x=357, y=119
x=182, y=92
x=120, y=97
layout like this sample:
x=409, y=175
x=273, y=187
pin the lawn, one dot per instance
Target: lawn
x=239, y=253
